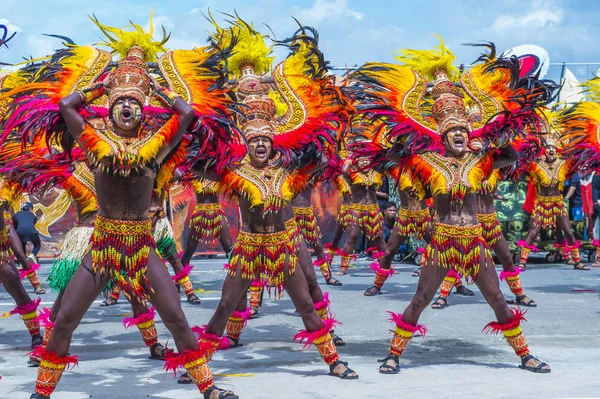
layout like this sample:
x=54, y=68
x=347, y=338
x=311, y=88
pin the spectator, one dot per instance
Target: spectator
x=574, y=197
x=389, y=219
x=24, y=222
x=383, y=192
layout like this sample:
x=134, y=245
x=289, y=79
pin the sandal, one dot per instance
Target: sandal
x=254, y=313
x=193, y=299
x=389, y=369
x=523, y=300
x=222, y=393
x=536, y=369
x=416, y=273
x=373, y=291
x=580, y=266
x=344, y=375
x=333, y=282
x=596, y=264
x=522, y=266
x=337, y=341
x=341, y=272
x=440, y=303
x=234, y=343
x=39, y=290
x=185, y=379
x=108, y=302
x=464, y=291
x=162, y=350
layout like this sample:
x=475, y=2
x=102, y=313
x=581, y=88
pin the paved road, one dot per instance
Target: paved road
x=455, y=359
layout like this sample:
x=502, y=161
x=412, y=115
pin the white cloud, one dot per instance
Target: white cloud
x=322, y=10
x=40, y=46
x=195, y=11
x=540, y=15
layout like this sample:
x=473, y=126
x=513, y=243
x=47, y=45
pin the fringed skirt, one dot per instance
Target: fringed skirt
x=547, y=209
x=264, y=256
x=292, y=227
x=368, y=217
x=205, y=223
x=75, y=246
x=491, y=230
x=307, y=222
x=413, y=221
x=5, y=251
x=458, y=248
x=127, y=242
x=343, y=216
x=164, y=238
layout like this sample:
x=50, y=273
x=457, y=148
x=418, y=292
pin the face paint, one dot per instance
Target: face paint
x=127, y=114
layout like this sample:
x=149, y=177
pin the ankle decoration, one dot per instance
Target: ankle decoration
x=196, y=364
x=210, y=340
x=44, y=320
x=574, y=251
x=50, y=370
x=236, y=323
x=115, y=293
x=28, y=313
x=182, y=278
x=346, y=258
x=447, y=284
x=322, y=307
x=403, y=334
x=255, y=293
x=512, y=332
x=323, y=265
x=513, y=280
x=381, y=275
x=321, y=339
x=145, y=323
x=29, y=272
x=331, y=251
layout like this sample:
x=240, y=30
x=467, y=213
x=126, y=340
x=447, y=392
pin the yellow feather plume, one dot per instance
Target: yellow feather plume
x=250, y=47
x=120, y=41
x=428, y=61
x=281, y=106
x=592, y=89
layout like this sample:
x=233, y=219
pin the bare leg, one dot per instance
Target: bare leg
x=165, y=299
x=511, y=274
x=353, y=234
x=563, y=223
x=487, y=281
x=297, y=288
x=337, y=235
x=225, y=237
x=81, y=292
x=191, y=243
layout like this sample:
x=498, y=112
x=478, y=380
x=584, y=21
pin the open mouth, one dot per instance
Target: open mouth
x=127, y=114
x=261, y=151
x=458, y=141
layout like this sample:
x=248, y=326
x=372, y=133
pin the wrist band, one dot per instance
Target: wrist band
x=91, y=93
x=167, y=95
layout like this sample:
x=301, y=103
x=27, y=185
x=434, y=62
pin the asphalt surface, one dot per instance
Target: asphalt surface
x=455, y=359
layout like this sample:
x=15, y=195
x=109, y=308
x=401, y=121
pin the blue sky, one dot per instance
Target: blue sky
x=351, y=31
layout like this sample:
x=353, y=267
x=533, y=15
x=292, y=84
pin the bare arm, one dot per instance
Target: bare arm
x=570, y=192
x=508, y=155
x=68, y=109
x=346, y=167
x=185, y=113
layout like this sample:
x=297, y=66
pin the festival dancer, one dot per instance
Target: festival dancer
x=437, y=150
x=9, y=276
x=125, y=142
x=548, y=173
x=309, y=228
x=268, y=177
x=342, y=219
x=208, y=223
x=364, y=214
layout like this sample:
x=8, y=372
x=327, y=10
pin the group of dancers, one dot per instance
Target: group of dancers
x=120, y=125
